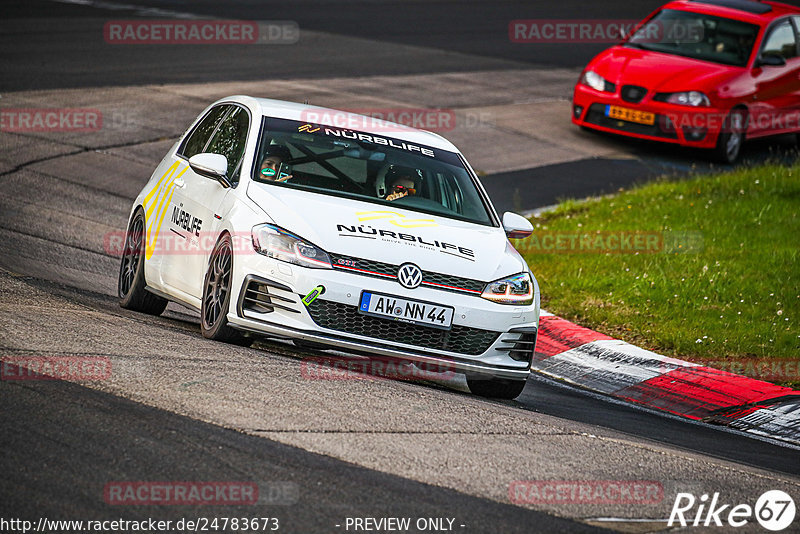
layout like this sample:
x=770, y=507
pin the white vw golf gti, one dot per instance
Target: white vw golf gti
x=334, y=230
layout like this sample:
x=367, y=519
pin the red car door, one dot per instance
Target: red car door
x=774, y=105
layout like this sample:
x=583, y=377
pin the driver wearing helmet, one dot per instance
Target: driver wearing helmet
x=274, y=156
x=402, y=182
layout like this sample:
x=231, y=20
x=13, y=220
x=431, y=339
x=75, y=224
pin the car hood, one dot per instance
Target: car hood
x=660, y=72
x=389, y=234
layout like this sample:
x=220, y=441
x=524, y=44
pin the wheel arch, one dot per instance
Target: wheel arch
x=742, y=106
x=224, y=231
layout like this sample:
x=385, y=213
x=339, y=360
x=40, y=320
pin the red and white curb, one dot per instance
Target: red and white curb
x=594, y=361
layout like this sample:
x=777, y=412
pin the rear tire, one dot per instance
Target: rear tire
x=217, y=297
x=131, y=283
x=495, y=388
x=731, y=138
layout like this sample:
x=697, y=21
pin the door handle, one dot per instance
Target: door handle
x=179, y=182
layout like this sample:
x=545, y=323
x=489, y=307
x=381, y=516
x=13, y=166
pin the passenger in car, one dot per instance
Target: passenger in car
x=401, y=182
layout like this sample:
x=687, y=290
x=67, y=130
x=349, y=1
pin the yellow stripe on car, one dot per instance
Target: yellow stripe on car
x=163, y=194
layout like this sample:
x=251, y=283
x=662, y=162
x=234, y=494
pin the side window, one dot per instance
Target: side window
x=198, y=139
x=230, y=139
x=781, y=41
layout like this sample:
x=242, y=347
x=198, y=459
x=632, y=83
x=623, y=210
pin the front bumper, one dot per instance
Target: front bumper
x=486, y=338
x=683, y=125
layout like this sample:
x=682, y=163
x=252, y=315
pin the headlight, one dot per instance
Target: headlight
x=517, y=289
x=597, y=82
x=689, y=98
x=274, y=242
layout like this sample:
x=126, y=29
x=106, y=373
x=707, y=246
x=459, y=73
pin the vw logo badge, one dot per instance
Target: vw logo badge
x=409, y=276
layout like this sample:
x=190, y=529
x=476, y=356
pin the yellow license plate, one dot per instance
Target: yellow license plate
x=630, y=115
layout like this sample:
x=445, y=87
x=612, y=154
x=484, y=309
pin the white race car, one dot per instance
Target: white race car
x=341, y=232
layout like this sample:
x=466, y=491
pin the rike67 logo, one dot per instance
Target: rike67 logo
x=774, y=510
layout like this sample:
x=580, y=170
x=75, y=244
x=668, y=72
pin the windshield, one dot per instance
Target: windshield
x=369, y=167
x=697, y=36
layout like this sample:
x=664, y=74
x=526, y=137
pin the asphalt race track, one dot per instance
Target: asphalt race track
x=177, y=407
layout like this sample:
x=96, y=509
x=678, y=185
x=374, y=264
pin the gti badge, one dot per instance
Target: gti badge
x=409, y=276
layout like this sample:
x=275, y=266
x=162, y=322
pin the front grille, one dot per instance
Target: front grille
x=524, y=346
x=259, y=295
x=632, y=93
x=663, y=127
x=378, y=269
x=439, y=279
x=365, y=267
x=346, y=318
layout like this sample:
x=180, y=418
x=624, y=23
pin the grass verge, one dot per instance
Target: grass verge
x=707, y=269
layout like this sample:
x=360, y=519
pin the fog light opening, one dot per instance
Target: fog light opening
x=695, y=134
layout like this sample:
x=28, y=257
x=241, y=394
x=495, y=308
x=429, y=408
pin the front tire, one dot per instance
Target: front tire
x=131, y=283
x=495, y=388
x=731, y=138
x=217, y=296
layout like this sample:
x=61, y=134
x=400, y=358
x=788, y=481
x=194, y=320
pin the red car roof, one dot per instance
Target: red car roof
x=711, y=8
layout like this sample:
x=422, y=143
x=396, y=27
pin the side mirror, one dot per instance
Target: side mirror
x=770, y=60
x=516, y=226
x=214, y=166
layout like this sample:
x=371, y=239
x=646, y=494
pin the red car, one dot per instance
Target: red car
x=699, y=73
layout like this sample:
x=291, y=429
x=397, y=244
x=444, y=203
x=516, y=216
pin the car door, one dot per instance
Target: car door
x=777, y=88
x=167, y=192
x=793, y=120
x=180, y=233
x=196, y=215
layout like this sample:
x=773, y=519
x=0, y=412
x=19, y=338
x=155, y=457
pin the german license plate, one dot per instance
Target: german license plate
x=630, y=115
x=406, y=310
